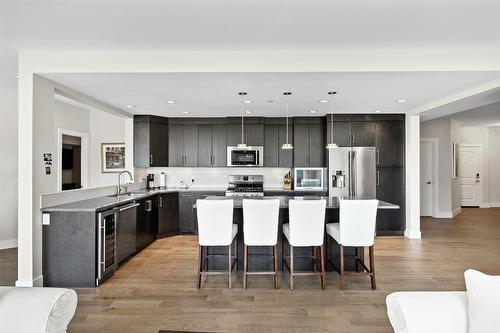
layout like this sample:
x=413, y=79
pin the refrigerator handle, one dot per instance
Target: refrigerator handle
x=353, y=173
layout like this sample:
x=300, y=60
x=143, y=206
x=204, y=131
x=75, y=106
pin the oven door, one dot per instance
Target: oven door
x=243, y=157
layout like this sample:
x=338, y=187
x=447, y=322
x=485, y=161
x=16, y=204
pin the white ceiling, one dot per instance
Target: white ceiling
x=487, y=115
x=215, y=94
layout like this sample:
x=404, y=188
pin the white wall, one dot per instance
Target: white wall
x=494, y=166
x=8, y=169
x=441, y=129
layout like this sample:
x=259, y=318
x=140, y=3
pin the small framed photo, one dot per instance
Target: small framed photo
x=113, y=157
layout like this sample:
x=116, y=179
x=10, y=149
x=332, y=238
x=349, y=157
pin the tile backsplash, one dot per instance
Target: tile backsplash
x=217, y=177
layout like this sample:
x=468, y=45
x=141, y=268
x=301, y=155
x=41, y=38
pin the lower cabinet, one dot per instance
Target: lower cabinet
x=168, y=214
x=187, y=217
x=147, y=222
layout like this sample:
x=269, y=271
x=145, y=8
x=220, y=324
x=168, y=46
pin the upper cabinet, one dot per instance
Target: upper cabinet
x=253, y=131
x=309, y=142
x=390, y=142
x=150, y=141
x=211, y=145
x=274, y=137
x=183, y=145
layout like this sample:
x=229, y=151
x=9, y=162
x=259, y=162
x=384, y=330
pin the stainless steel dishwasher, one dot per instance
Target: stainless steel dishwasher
x=126, y=231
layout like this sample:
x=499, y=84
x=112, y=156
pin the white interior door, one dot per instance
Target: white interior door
x=469, y=174
x=426, y=178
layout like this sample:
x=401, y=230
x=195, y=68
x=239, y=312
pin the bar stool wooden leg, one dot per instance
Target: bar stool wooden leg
x=245, y=265
x=322, y=266
x=372, y=267
x=229, y=267
x=357, y=258
x=291, y=267
x=313, y=250
x=341, y=267
x=200, y=264
x=283, y=254
x=276, y=277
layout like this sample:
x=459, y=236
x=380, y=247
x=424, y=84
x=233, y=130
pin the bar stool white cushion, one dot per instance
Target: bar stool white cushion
x=36, y=310
x=260, y=222
x=307, y=222
x=483, y=294
x=356, y=225
x=215, y=222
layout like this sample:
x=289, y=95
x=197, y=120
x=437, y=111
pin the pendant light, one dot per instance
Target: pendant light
x=287, y=145
x=242, y=144
x=331, y=144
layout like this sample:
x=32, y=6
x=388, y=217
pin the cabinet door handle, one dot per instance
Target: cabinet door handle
x=151, y=159
x=352, y=138
x=378, y=178
x=378, y=157
x=161, y=201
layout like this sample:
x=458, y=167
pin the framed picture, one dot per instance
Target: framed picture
x=113, y=157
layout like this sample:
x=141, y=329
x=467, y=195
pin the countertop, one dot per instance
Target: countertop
x=331, y=202
x=103, y=203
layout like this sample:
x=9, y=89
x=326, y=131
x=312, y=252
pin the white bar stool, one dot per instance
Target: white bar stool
x=215, y=228
x=356, y=228
x=260, y=228
x=306, y=227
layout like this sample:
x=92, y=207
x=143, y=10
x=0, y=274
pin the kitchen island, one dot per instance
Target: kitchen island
x=260, y=257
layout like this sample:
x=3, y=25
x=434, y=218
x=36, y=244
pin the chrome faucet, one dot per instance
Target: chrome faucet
x=119, y=177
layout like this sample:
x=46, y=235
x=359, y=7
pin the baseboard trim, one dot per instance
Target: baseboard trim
x=456, y=211
x=36, y=282
x=485, y=205
x=413, y=234
x=495, y=204
x=8, y=244
x=443, y=215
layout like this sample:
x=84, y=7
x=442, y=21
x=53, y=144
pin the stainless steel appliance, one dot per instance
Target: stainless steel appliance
x=352, y=172
x=126, y=231
x=106, y=239
x=309, y=179
x=250, y=156
x=245, y=186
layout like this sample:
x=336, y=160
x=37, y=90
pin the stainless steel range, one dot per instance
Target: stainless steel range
x=245, y=186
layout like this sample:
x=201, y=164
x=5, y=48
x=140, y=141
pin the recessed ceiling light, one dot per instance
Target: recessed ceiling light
x=247, y=102
x=15, y=75
x=131, y=106
x=185, y=112
x=171, y=101
x=324, y=101
x=377, y=111
x=313, y=111
x=248, y=112
x=401, y=100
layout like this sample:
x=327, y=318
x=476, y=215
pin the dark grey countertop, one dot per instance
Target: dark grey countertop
x=331, y=202
x=103, y=203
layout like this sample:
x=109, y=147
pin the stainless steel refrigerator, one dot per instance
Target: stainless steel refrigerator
x=352, y=172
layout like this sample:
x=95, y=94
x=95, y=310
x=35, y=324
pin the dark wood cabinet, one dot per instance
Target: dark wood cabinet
x=146, y=223
x=150, y=141
x=253, y=131
x=168, y=214
x=274, y=137
x=363, y=134
x=186, y=212
x=390, y=143
x=211, y=145
x=183, y=145
x=309, y=143
x=341, y=133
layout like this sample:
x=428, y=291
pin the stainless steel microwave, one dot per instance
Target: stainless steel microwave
x=250, y=156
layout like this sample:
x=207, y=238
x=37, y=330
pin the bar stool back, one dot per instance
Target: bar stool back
x=215, y=228
x=356, y=228
x=260, y=228
x=306, y=227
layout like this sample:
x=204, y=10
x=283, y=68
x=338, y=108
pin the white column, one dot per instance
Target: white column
x=25, y=168
x=413, y=177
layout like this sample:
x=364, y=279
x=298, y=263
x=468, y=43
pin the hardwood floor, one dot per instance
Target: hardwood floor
x=8, y=267
x=157, y=289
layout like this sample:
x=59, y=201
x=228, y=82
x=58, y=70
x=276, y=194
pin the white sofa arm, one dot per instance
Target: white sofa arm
x=428, y=312
x=36, y=310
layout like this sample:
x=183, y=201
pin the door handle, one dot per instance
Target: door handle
x=151, y=159
x=352, y=138
x=160, y=203
x=428, y=183
x=378, y=178
x=129, y=207
x=477, y=178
